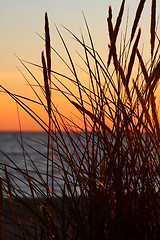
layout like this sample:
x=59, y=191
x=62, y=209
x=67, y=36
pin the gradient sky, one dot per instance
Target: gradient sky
x=19, y=22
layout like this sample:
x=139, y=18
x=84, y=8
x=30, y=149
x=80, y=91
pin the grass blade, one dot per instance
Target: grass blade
x=1, y=208
x=137, y=17
x=116, y=29
x=46, y=84
x=47, y=41
x=112, y=45
x=144, y=70
x=132, y=58
x=153, y=25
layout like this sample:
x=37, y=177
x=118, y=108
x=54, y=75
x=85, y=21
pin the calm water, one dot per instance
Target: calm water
x=35, y=146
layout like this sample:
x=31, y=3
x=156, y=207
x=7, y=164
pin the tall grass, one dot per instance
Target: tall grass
x=109, y=167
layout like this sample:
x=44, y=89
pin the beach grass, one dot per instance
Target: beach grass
x=109, y=167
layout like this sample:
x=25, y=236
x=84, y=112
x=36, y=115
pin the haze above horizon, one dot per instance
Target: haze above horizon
x=20, y=20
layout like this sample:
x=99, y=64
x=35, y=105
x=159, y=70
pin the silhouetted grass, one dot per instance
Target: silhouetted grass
x=109, y=169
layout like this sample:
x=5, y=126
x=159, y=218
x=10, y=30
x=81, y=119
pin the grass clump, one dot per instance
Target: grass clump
x=108, y=186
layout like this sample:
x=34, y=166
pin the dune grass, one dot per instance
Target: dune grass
x=110, y=167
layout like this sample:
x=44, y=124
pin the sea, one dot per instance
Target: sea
x=18, y=150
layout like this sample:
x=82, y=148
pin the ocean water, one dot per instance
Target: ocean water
x=14, y=152
x=32, y=150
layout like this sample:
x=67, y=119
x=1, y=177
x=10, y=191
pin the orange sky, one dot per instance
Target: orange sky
x=18, y=35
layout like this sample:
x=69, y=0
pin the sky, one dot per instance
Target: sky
x=21, y=20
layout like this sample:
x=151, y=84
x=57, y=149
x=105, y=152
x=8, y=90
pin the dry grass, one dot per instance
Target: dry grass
x=109, y=170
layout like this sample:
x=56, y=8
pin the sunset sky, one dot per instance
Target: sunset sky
x=19, y=22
